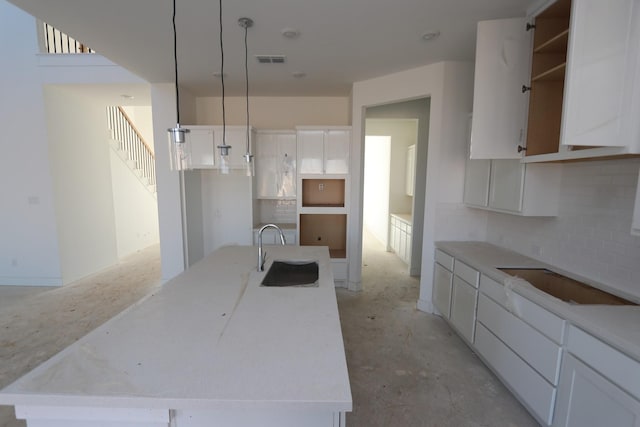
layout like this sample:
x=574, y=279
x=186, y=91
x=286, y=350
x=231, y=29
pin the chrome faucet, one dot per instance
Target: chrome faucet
x=262, y=255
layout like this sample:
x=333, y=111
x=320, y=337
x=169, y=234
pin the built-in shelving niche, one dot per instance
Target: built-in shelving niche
x=325, y=230
x=323, y=193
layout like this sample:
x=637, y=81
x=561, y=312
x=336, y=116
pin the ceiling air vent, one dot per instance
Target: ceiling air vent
x=271, y=59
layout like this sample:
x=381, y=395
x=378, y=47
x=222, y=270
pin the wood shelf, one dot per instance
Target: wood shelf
x=554, y=74
x=556, y=44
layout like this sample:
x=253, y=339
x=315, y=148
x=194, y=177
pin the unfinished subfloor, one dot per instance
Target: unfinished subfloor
x=407, y=368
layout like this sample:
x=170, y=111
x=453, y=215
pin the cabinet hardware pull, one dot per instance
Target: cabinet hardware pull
x=530, y=26
x=521, y=148
x=525, y=88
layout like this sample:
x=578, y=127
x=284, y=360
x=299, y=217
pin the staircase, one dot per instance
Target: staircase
x=129, y=144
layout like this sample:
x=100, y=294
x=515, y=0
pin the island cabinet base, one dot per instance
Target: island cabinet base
x=46, y=416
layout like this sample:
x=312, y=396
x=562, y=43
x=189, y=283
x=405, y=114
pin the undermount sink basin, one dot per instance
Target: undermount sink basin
x=292, y=273
x=565, y=288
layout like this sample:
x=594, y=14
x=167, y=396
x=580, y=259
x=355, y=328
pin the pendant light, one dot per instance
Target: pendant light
x=179, y=146
x=246, y=23
x=224, y=147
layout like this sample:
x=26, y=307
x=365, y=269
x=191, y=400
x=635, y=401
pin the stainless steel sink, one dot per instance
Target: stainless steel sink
x=292, y=273
x=565, y=288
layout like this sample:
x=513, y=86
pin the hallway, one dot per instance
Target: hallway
x=408, y=368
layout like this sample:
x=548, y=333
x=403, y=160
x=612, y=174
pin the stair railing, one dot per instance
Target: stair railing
x=131, y=142
x=55, y=41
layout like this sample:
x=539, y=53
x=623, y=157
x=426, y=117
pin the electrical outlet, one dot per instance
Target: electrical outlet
x=536, y=250
x=320, y=187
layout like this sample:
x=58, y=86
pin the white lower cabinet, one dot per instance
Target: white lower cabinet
x=442, y=282
x=400, y=230
x=463, y=308
x=600, y=386
x=587, y=399
x=533, y=390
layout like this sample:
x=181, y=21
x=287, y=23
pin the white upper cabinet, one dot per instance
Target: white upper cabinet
x=507, y=180
x=275, y=164
x=205, y=140
x=601, y=107
x=569, y=92
x=499, y=106
x=323, y=151
x=202, y=146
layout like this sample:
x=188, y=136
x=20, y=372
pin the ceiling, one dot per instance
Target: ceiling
x=340, y=41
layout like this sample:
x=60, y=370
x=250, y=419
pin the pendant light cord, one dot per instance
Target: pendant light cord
x=175, y=62
x=224, y=119
x=246, y=77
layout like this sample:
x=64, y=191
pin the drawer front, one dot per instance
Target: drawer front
x=539, y=351
x=444, y=259
x=463, y=308
x=442, y=289
x=466, y=273
x=611, y=363
x=536, y=393
x=543, y=320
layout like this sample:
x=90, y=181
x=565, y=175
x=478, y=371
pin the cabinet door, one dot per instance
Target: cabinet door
x=476, y=182
x=463, y=308
x=601, y=72
x=499, y=107
x=402, y=246
x=507, y=183
x=311, y=151
x=336, y=151
x=266, y=165
x=202, y=148
x=411, y=170
x=286, y=166
x=442, y=289
x=587, y=399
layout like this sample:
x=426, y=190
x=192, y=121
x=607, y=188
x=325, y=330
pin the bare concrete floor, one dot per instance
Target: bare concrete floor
x=36, y=323
x=407, y=368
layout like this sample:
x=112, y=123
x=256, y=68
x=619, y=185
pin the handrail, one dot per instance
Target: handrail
x=55, y=41
x=131, y=142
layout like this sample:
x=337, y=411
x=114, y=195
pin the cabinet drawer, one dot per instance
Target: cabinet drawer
x=611, y=363
x=543, y=320
x=536, y=349
x=466, y=273
x=444, y=259
x=533, y=390
x=463, y=308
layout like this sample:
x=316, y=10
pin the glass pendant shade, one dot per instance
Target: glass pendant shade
x=179, y=148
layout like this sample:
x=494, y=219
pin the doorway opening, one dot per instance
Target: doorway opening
x=395, y=159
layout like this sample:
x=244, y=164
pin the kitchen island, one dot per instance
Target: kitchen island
x=211, y=347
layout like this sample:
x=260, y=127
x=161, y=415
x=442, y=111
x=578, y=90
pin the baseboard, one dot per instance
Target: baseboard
x=30, y=281
x=426, y=306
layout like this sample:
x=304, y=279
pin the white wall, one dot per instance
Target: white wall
x=227, y=210
x=591, y=235
x=135, y=209
x=275, y=112
x=29, y=243
x=450, y=87
x=377, y=173
x=81, y=169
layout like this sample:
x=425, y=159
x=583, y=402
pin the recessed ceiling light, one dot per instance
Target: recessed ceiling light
x=290, y=33
x=299, y=74
x=125, y=96
x=432, y=35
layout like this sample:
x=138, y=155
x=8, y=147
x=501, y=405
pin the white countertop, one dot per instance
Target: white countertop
x=210, y=338
x=619, y=326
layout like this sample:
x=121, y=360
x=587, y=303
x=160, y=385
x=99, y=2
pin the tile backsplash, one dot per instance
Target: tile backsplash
x=591, y=235
x=278, y=211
